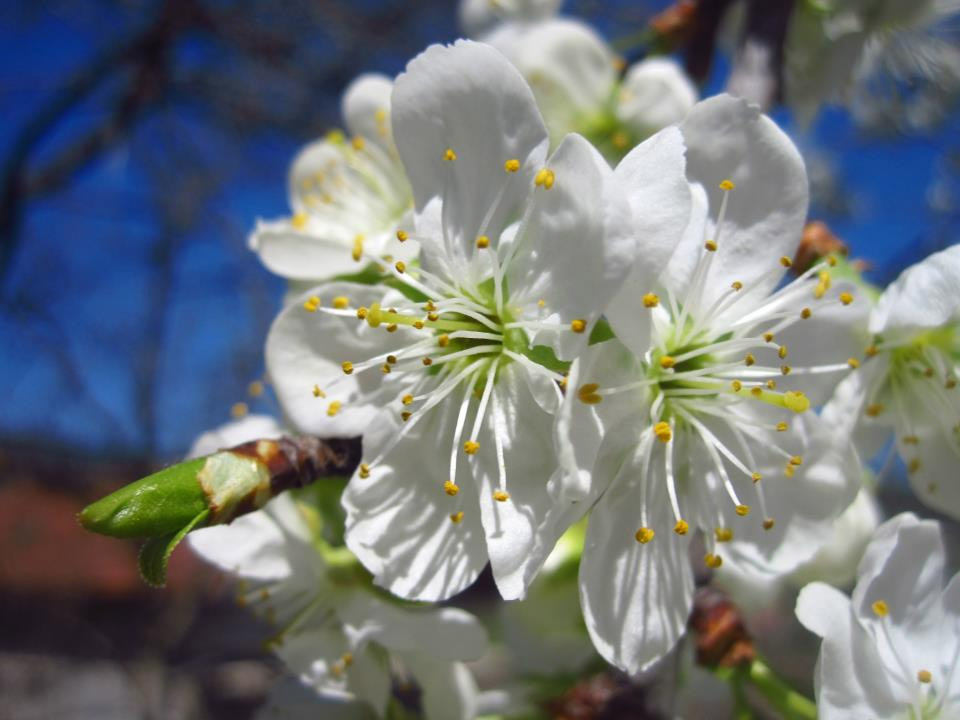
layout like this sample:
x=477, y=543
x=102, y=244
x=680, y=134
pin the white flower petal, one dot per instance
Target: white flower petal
x=320, y=250
x=289, y=699
x=305, y=351
x=261, y=545
x=850, y=679
x=728, y=139
x=924, y=296
x=655, y=93
x=448, y=690
x=522, y=530
x=937, y=452
x=574, y=277
x=663, y=204
x=251, y=427
x=844, y=411
x=581, y=427
x=467, y=98
x=569, y=67
x=636, y=597
x=366, y=107
x=398, y=519
x=443, y=633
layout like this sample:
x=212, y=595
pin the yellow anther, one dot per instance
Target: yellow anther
x=433, y=317
x=727, y=185
x=737, y=285
x=771, y=384
x=501, y=496
x=418, y=324
x=880, y=608
x=805, y=313
x=347, y=658
x=357, y=248
x=456, y=517
x=364, y=471
x=768, y=336
x=782, y=427
x=318, y=393
x=784, y=369
x=749, y=360
x=405, y=415
x=299, y=220
x=663, y=431
x=544, y=178
x=385, y=368
x=796, y=401
x=924, y=676
x=443, y=340
x=392, y=359
x=871, y=351
x=823, y=285
x=853, y=362
x=578, y=325
x=644, y=535
x=768, y=523
x=427, y=362
x=429, y=307
x=340, y=302
x=470, y=447
x=588, y=394
x=511, y=165
x=736, y=385
x=239, y=409
x=311, y=304
x=846, y=298
x=403, y=235
x=712, y=561
x=910, y=440
x=333, y=408
x=347, y=367
x=358, y=142
x=483, y=242
x=757, y=392
x=913, y=466
x=682, y=527
x=667, y=362
x=796, y=460
x=782, y=351
x=756, y=477
x=541, y=303
x=875, y=409
x=407, y=399
x=362, y=313
x=742, y=510
x=723, y=534
x=401, y=266
x=650, y=300
x=620, y=140
x=451, y=488
x=710, y=245
x=449, y=155
x=786, y=262
x=831, y=261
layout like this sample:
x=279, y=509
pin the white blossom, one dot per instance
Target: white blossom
x=908, y=382
x=453, y=377
x=696, y=416
x=348, y=195
x=890, y=651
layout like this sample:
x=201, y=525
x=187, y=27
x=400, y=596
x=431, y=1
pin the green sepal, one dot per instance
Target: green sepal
x=156, y=506
x=601, y=332
x=155, y=553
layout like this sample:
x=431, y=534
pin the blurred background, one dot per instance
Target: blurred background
x=139, y=143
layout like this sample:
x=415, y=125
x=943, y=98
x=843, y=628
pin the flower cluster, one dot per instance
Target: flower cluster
x=557, y=300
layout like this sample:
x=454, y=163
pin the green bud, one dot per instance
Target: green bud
x=153, y=506
x=211, y=490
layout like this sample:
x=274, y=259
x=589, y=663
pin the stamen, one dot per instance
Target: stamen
x=644, y=535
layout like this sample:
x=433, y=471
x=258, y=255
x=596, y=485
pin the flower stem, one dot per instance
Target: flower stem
x=792, y=704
